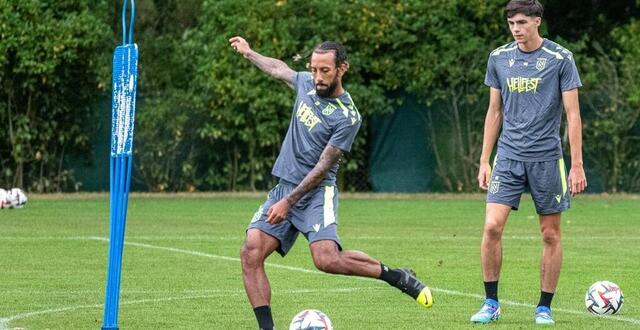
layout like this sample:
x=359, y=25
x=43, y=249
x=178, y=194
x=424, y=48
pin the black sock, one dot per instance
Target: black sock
x=263, y=315
x=389, y=275
x=545, y=299
x=491, y=290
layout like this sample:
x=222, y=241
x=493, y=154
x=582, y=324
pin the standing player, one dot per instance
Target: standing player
x=323, y=126
x=530, y=80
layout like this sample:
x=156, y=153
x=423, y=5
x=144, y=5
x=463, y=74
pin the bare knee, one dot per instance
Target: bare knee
x=550, y=236
x=251, y=255
x=323, y=263
x=326, y=259
x=495, y=220
x=493, y=230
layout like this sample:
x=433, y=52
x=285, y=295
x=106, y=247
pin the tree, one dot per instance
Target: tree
x=52, y=69
x=612, y=128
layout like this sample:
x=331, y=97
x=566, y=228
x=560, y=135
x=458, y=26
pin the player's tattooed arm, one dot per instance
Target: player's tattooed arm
x=271, y=66
x=329, y=157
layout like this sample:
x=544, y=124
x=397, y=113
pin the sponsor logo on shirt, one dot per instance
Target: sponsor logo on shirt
x=523, y=85
x=306, y=116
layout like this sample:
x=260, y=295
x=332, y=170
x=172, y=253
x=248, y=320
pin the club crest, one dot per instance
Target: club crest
x=494, y=187
x=329, y=109
x=540, y=64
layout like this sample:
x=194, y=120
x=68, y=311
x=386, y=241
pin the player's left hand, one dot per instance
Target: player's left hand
x=278, y=211
x=577, y=180
x=240, y=45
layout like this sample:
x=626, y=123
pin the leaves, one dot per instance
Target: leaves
x=50, y=56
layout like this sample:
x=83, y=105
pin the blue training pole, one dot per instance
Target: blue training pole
x=125, y=79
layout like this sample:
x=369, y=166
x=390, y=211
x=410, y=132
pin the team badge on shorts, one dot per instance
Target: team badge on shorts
x=495, y=186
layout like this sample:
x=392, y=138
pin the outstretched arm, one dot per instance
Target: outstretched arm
x=329, y=157
x=577, y=177
x=271, y=66
x=492, y=124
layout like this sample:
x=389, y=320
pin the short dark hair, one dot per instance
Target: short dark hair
x=531, y=8
x=328, y=46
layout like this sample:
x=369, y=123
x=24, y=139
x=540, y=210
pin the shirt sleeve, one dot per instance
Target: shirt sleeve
x=299, y=79
x=569, y=77
x=491, y=76
x=344, y=134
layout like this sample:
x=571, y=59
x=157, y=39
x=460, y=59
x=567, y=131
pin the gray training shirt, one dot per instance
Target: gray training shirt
x=531, y=85
x=315, y=122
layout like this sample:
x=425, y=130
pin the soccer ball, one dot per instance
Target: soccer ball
x=604, y=297
x=310, y=319
x=15, y=198
x=4, y=199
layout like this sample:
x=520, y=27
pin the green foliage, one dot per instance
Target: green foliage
x=51, y=59
x=612, y=129
x=243, y=114
x=207, y=119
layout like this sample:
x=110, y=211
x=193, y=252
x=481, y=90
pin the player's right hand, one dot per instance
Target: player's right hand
x=484, y=175
x=240, y=45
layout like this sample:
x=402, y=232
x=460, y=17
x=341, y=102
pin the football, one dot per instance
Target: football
x=16, y=198
x=4, y=199
x=604, y=297
x=310, y=319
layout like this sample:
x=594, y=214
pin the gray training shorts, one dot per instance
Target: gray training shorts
x=315, y=216
x=546, y=180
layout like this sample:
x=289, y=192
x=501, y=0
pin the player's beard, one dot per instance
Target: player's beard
x=331, y=88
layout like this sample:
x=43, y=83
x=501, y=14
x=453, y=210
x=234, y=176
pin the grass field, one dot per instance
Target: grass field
x=181, y=268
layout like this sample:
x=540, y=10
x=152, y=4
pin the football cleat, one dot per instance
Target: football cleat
x=489, y=312
x=410, y=285
x=543, y=315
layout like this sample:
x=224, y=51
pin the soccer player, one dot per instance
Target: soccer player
x=531, y=80
x=323, y=125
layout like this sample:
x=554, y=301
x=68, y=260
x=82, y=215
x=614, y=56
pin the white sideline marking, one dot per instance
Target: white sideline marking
x=555, y=309
x=4, y=322
x=385, y=238
x=304, y=270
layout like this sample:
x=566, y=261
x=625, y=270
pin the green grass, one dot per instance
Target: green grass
x=181, y=269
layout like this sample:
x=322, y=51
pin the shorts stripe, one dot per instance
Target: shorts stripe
x=563, y=176
x=329, y=216
x=495, y=160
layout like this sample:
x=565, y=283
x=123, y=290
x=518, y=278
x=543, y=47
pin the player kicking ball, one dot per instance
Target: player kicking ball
x=324, y=123
x=531, y=80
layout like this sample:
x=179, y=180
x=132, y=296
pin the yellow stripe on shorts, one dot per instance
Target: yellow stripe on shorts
x=563, y=176
x=329, y=215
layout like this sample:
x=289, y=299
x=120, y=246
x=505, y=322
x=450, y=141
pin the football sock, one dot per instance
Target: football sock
x=263, y=315
x=389, y=275
x=491, y=290
x=545, y=299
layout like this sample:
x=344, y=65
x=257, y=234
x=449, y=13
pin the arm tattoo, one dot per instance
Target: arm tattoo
x=330, y=156
x=273, y=67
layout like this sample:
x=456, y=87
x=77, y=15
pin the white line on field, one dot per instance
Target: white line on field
x=304, y=270
x=4, y=322
x=376, y=238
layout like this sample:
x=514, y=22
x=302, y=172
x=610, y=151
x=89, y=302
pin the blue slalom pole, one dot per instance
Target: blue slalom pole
x=125, y=79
